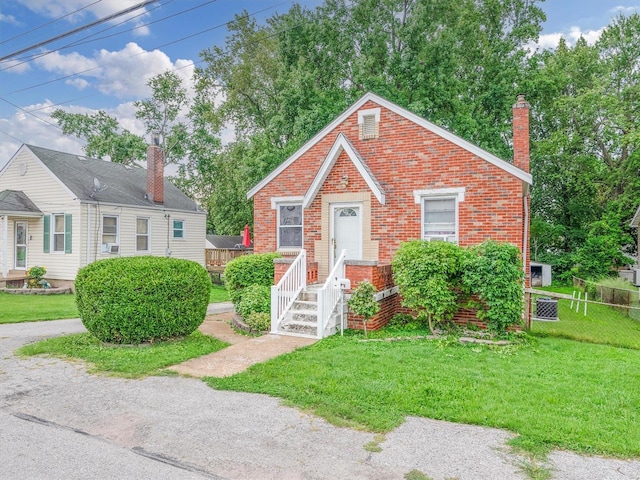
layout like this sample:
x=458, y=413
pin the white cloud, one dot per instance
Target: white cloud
x=550, y=41
x=79, y=83
x=123, y=73
x=8, y=19
x=624, y=10
x=15, y=66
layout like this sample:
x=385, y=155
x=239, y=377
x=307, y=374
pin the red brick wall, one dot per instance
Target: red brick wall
x=405, y=157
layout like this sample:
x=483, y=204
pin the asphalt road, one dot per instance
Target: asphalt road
x=58, y=422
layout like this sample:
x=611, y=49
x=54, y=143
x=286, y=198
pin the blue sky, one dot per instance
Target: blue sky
x=118, y=62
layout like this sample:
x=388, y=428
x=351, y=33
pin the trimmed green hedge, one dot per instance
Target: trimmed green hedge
x=142, y=299
x=255, y=269
x=255, y=299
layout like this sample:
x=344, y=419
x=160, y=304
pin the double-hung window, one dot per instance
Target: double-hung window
x=110, y=233
x=290, y=225
x=439, y=213
x=178, y=229
x=142, y=234
x=58, y=232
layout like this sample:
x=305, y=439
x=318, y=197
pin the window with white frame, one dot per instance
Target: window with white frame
x=178, y=229
x=110, y=233
x=290, y=225
x=142, y=234
x=58, y=232
x=439, y=212
x=439, y=219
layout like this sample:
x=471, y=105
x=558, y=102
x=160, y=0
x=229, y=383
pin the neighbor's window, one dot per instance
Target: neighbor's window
x=178, y=229
x=58, y=232
x=109, y=231
x=142, y=234
x=439, y=219
x=290, y=226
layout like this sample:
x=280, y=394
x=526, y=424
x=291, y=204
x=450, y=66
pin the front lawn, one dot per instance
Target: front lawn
x=129, y=361
x=554, y=393
x=32, y=308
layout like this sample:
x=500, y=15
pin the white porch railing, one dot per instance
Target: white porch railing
x=329, y=295
x=286, y=291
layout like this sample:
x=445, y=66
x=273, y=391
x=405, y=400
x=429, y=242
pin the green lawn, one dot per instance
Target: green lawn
x=218, y=294
x=32, y=308
x=601, y=325
x=125, y=361
x=555, y=393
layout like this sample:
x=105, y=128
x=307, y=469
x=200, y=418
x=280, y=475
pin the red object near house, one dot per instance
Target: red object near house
x=379, y=175
x=246, y=237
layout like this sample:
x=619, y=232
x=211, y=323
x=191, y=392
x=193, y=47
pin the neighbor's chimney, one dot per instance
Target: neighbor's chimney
x=521, y=133
x=155, y=171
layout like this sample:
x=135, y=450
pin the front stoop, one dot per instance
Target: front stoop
x=302, y=318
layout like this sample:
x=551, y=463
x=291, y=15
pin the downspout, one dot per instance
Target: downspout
x=525, y=236
x=168, y=250
x=5, y=245
x=88, y=234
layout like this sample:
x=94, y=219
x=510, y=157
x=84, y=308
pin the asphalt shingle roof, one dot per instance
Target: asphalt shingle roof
x=120, y=184
x=15, y=201
x=226, y=241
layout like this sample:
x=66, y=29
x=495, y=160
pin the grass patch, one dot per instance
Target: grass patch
x=218, y=294
x=35, y=308
x=32, y=308
x=601, y=325
x=554, y=393
x=128, y=361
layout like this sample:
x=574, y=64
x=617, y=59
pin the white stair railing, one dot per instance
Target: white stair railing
x=329, y=295
x=286, y=291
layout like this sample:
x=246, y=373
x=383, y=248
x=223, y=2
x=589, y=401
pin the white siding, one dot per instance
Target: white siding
x=190, y=248
x=50, y=197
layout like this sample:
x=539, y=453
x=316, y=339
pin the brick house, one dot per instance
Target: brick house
x=376, y=176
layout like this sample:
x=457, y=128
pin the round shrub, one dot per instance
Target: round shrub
x=248, y=270
x=259, y=321
x=142, y=299
x=255, y=299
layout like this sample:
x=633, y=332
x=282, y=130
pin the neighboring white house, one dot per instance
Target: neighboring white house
x=64, y=211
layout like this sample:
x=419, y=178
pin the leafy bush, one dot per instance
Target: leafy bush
x=255, y=269
x=36, y=274
x=258, y=321
x=362, y=302
x=142, y=299
x=494, y=275
x=428, y=274
x=255, y=299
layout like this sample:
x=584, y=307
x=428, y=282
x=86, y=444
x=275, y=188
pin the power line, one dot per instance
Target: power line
x=142, y=53
x=48, y=23
x=9, y=135
x=29, y=113
x=79, y=29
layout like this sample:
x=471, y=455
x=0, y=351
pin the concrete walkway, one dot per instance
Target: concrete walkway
x=243, y=352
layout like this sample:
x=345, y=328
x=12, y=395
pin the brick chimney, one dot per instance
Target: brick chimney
x=155, y=173
x=521, y=133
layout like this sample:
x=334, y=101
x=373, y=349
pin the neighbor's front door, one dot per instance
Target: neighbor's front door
x=21, y=246
x=346, y=232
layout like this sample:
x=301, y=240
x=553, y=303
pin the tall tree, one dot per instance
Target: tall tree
x=103, y=136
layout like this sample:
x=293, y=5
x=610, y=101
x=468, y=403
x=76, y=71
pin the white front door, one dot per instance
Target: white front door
x=21, y=246
x=346, y=232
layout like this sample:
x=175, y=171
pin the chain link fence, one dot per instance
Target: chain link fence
x=588, y=312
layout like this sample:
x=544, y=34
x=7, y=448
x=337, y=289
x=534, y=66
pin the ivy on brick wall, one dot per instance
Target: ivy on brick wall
x=437, y=278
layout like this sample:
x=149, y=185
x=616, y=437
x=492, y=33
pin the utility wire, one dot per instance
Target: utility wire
x=9, y=135
x=79, y=29
x=48, y=23
x=143, y=53
x=29, y=113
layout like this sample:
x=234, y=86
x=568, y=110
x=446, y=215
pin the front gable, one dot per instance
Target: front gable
x=342, y=144
x=377, y=103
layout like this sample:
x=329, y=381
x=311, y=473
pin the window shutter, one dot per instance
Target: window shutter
x=47, y=234
x=67, y=233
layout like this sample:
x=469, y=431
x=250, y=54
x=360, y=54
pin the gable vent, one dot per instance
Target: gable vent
x=369, y=123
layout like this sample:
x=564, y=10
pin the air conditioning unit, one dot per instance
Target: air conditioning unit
x=113, y=248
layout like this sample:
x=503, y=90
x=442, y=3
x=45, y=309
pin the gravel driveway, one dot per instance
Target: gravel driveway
x=60, y=422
